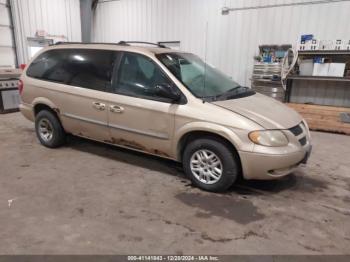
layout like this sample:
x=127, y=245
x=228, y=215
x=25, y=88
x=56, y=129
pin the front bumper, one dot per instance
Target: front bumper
x=272, y=166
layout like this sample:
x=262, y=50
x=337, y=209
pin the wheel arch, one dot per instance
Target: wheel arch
x=194, y=131
x=42, y=103
x=197, y=134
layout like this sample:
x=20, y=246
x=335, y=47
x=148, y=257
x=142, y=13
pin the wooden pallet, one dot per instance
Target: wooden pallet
x=323, y=118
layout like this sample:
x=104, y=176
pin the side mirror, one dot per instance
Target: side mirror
x=167, y=91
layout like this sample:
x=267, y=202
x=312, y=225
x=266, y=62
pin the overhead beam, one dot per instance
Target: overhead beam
x=226, y=10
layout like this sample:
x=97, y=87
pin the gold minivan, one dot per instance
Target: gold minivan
x=166, y=103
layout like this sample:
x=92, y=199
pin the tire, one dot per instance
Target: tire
x=53, y=126
x=214, y=148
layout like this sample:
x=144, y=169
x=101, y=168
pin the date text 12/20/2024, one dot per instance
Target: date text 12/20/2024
x=173, y=258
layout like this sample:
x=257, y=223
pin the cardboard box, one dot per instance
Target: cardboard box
x=339, y=44
x=347, y=46
x=327, y=45
x=321, y=69
x=305, y=45
x=306, y=67
x=315, y=44
x=336, y=69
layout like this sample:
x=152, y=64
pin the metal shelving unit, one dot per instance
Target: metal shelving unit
x=266, y=80
x=338, y=55
x=323, y=52
x=326, y=99
x=320, y=78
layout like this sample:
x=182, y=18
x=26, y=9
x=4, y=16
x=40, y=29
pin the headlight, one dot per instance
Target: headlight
x=307, y=128
x=273, y=138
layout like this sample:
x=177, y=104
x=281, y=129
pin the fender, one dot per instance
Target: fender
x=47, y=102
x=44, y=101
x=216, y=129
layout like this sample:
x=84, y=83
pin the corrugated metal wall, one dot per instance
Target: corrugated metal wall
x=230, y=41
x=58, y=17
x=329, y=93
x=7, y=54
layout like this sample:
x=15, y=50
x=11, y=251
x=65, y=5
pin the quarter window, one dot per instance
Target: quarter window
x=50, y=66
x=86, y=68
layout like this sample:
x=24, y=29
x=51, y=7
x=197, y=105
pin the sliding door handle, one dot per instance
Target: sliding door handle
x=116, y=109
x=99, y=106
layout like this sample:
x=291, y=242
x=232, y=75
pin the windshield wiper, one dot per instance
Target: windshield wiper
x=228, y=92
x=230, y=95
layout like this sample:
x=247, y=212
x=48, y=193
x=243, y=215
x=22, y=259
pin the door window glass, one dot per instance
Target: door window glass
x=91, y=68
x=50, y=66
x=86, y=68
x=138, y=76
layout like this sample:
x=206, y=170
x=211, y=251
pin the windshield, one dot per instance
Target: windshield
x=203, y=80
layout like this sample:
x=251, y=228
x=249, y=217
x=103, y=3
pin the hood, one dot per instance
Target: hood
x=266, y=111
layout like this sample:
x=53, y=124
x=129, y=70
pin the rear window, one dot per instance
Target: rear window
x=86, y=68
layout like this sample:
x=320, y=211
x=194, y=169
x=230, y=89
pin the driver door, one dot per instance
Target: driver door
x=138, y=117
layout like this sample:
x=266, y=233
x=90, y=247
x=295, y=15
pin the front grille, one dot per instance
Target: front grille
x=297, y=130
x=303, y=141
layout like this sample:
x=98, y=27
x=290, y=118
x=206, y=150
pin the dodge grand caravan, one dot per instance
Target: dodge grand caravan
x=166, y=103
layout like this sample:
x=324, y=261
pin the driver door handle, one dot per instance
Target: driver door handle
x=116, y=109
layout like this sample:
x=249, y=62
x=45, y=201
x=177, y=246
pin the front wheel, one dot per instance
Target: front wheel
x=210, y=164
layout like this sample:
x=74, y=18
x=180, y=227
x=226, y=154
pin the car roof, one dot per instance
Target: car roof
x=139, y=48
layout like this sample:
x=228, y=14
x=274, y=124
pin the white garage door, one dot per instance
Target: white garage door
x=7, y=52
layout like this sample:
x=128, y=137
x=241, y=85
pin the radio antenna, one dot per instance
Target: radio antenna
x=205, y=61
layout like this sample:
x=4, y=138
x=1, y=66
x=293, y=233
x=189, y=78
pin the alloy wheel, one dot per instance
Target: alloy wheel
x=206, y=166
x=45, y=129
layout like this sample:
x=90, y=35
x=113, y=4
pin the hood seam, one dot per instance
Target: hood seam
x=239, y=114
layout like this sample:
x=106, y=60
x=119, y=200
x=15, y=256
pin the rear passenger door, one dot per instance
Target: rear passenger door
x=90, y=80
x=77, y=81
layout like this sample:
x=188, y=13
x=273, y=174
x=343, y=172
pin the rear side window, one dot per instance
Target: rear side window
x=86, y=68
x=49, y=66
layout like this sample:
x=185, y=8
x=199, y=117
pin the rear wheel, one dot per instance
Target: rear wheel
x=49, y=129
x=210, y=164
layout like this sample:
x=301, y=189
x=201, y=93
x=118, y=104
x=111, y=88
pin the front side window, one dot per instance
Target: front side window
x=203, y=80
x=86, y=68
x=139, y=76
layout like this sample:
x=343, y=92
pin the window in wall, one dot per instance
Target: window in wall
x=36, y=44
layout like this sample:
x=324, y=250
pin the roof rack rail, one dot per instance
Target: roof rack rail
x=141, y=42
x=82, y=43
x=126, y=43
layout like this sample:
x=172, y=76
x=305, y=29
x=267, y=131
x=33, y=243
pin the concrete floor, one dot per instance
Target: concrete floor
x=90, y=198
